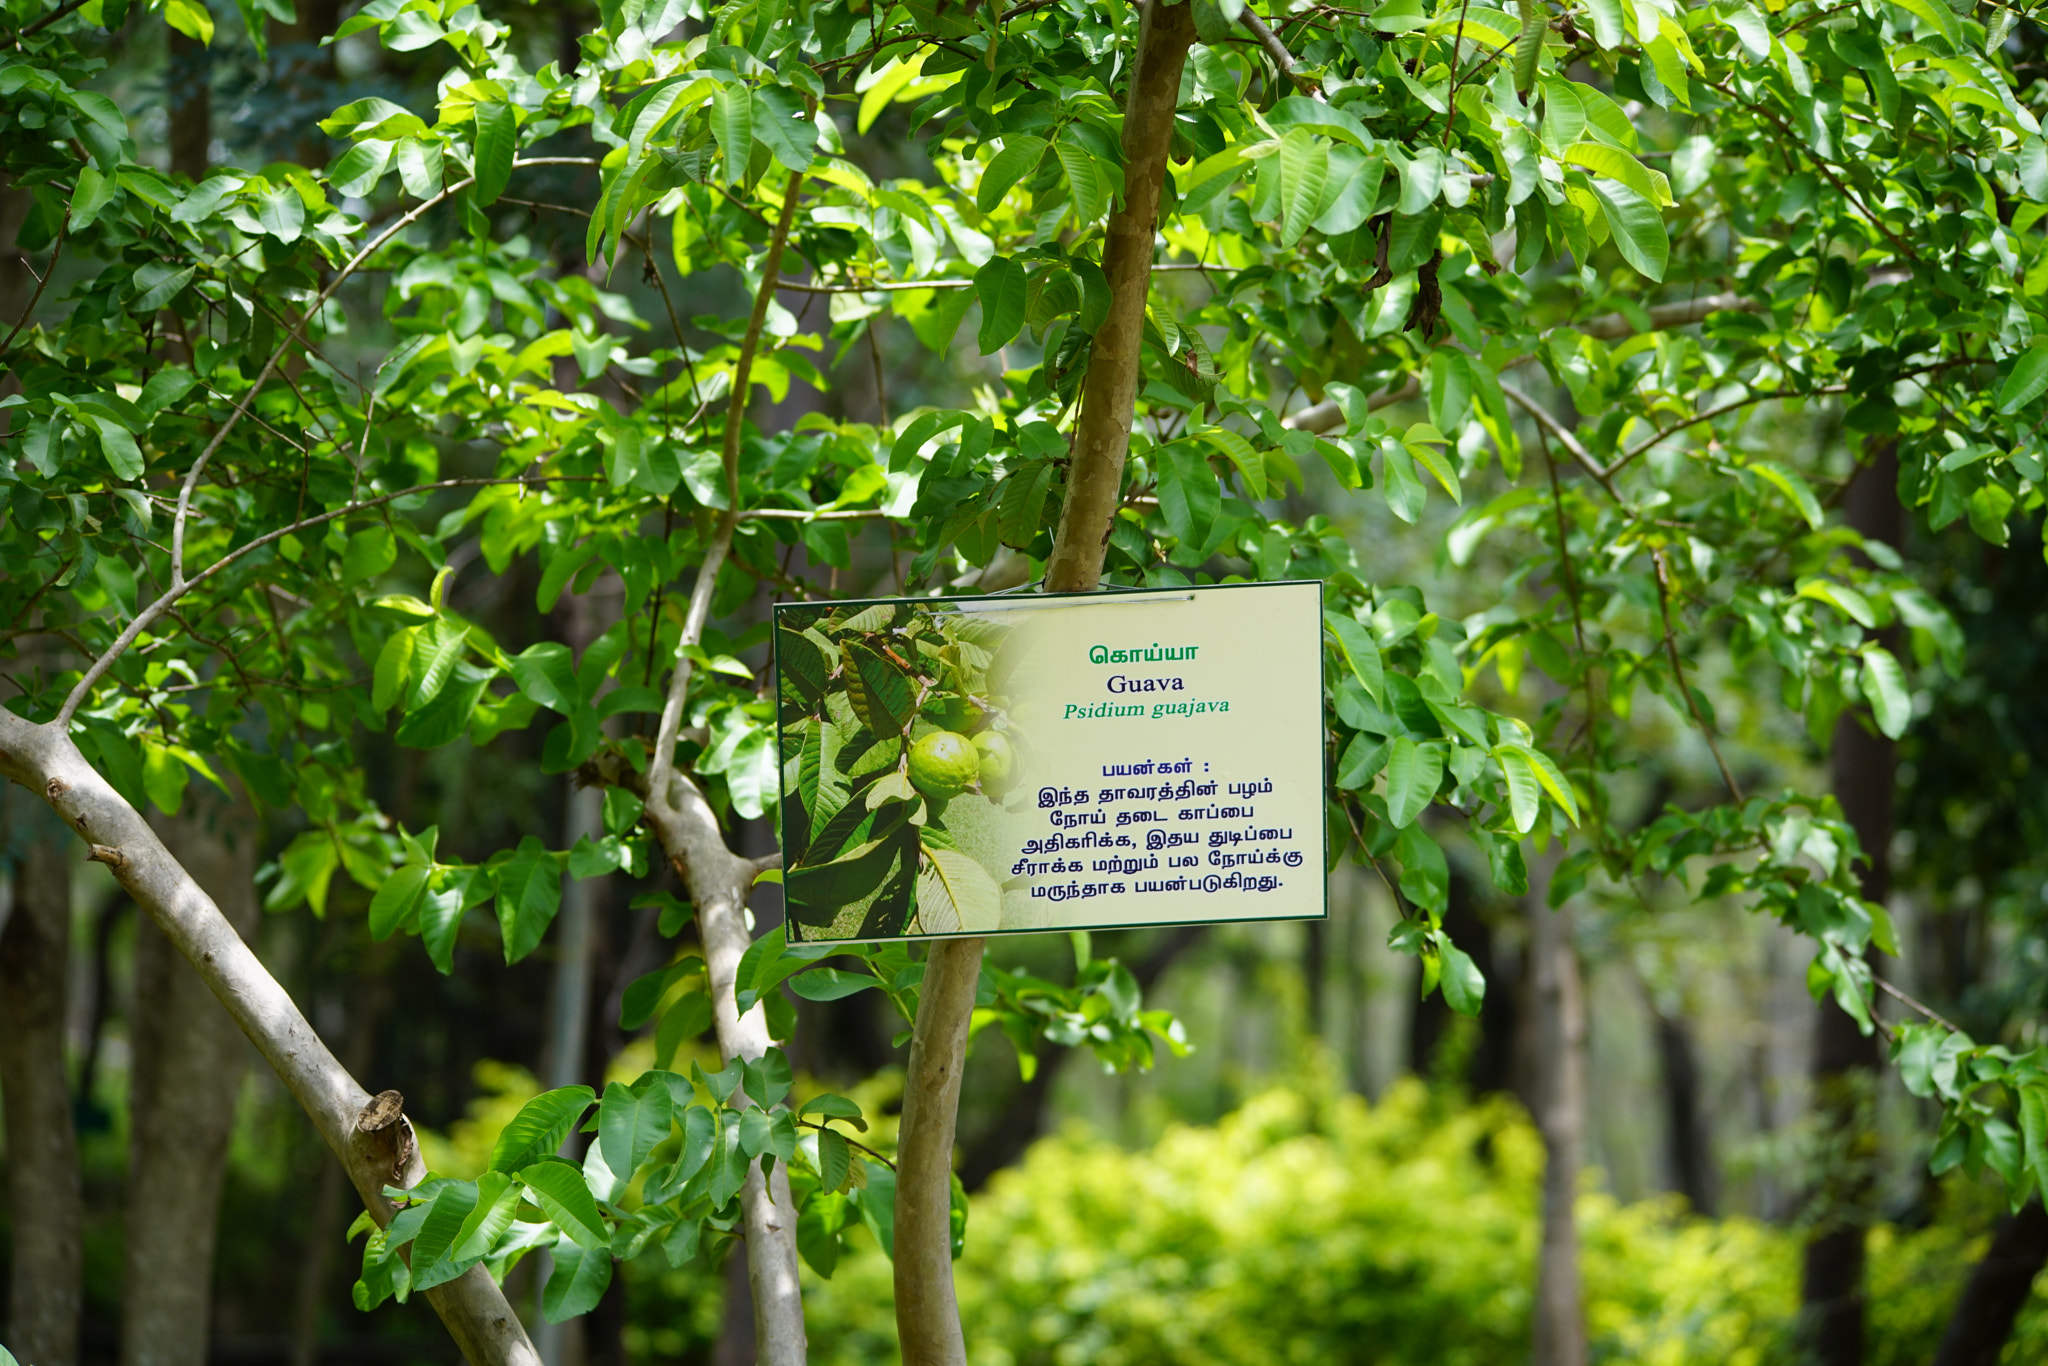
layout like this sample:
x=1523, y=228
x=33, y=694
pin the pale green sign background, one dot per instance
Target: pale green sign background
x=976, y=766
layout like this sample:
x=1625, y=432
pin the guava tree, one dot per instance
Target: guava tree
x=267, y=417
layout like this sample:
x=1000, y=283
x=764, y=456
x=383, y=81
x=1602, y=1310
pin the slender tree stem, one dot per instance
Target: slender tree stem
x=1692, y=705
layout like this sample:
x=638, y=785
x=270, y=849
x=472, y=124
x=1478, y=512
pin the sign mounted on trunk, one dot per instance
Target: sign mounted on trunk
x=1052, y=762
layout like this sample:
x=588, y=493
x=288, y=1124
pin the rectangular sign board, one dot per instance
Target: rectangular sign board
x=1051, y=762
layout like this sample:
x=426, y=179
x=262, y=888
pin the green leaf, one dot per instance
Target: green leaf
x=449, y=1210
x=784, y=128
x=1608, y=30
x=1240, y=452
x=397, y=902
x=1403, y=489
x=880, y=691
x=831, y=984
x=546, y=672
x=578, y=1281
x=1793, y=487
x=1637, y=227
x=539, y=1127
x=956, y=895
x=1525, y=796
x=117, y=443
x=1939, y=17
x=1021, y=511
x=687, y=1019
x=1884, y=683
x=1547, y=773
x=1361, y=653
x=447, y=716
x=631, y=1122
x=281, y=212
x=732, y=123
x=1003, y=290
x=1190, y=496
x=497, y=1206
x=371, y=552
x=1019, y=157
x=2028, y=379
x=1618, y=165
x=1304, y=164
x=1085, y=182
x=529, y=894
x=1413, y=773
x=497, y=136
x=434, y=658
x=1463, y=985
x=357, y=171
x=559, y=1189
x=1422, y=442
x=835, y=1159
x=1842, y=598
x=394, y=664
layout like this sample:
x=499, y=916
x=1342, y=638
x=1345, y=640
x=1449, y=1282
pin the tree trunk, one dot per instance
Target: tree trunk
x=1846, y=1061
x=1102, y=436
x=44, y=1196
x=1686, y=1147
x=1560, y=1084
x=183, y=1081
x=371, y=1137
x=189, y=93
x=1998, y=1288
x=927, y=1316
x=569, y=1028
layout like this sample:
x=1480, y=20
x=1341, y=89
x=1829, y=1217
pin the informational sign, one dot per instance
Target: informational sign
x=1051, y=762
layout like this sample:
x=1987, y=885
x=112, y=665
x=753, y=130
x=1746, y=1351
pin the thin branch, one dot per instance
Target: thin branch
x=1678, y=669
x=1277, y=50
x=48, y=19
x=871, y=286
x=801, y=515
x=1564, y=552
x=42, y=281
x=1893, y=991
x=850, y=1142
x=180, y=585
x=661, y=766
x=1564, y=437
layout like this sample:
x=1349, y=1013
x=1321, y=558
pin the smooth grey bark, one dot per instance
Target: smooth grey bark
x=719, y=880
x=1846, y=1061
x=1559, y=1018
x=44, y=1195
x=371, y=1137
x=188, y=1059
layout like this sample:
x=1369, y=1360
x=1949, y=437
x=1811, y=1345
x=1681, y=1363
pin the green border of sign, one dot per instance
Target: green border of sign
x=775, y=659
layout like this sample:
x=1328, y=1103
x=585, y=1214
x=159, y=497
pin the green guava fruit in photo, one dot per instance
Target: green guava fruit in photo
x=943, y=764
x=998, y=759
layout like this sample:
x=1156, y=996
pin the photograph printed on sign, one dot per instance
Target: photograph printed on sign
x=994, y=765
